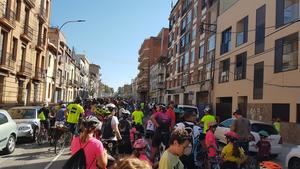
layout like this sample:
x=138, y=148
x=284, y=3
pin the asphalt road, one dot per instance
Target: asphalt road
x=30, y=155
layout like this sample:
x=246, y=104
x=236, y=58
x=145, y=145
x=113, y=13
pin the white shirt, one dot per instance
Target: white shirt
x=114, y=121
x=150, y=126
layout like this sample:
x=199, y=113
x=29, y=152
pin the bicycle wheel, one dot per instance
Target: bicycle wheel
x=39, y=138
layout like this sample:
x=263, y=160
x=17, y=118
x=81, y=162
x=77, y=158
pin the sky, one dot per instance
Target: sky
x=113, y=32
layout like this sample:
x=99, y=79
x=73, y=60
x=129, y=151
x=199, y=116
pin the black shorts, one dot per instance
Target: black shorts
x=149, y=134
x=160, y=137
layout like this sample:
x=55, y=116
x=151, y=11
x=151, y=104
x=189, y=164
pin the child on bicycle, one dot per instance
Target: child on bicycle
x=264, y=147
x=232, y=154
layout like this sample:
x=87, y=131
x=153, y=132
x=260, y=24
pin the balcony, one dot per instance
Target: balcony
x=83, y=72
x=41, y=44
x=239, y=73
x=43, y=15
x=30, y=3
x=160, y=72
x=143, y=89
x=224, y=76
x=8, y=18
x=7, y=63
x=27, y=34
x=39, y=74
x=70, y=82
x=161, y=85
x=25, y=69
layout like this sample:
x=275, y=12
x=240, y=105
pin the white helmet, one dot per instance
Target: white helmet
x=126, y=112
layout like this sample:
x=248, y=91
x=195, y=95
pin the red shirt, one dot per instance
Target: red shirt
x=171, y=113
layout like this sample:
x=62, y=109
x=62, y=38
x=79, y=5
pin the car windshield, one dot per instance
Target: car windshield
x=22, y=113
x=187, y=109
x=227, y=123
x=256, y=127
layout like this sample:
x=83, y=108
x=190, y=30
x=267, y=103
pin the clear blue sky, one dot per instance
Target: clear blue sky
x=113, y=32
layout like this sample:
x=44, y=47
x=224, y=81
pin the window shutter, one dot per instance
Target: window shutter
x=278, y=55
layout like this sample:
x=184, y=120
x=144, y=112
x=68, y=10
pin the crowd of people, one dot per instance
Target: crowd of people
x=143, y=135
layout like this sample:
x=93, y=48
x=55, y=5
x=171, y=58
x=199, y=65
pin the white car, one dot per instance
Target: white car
x=256, y=126
x=185, y=108
x=8, y=132
x=293, y=159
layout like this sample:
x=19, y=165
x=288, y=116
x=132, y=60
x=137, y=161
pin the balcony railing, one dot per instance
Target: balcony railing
x=26, y=68
x=41, y=42
x=224, y=77
x=7, y=61
x=31, y=3
x=239, y=73
x=39, y=73
x=8, y=17
x=28, y=32
x=43, y=14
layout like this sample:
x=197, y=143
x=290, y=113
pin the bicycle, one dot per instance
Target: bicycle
x=42, y=136
x=62, y=137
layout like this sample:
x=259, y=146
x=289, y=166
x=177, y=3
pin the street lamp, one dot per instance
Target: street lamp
x=58, y=41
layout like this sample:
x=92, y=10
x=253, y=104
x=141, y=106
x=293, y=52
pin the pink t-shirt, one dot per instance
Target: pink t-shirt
x=93, y=149
x=210, y=141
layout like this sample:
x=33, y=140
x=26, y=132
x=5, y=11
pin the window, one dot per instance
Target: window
x=200, y=75
x=3, y=119
x=286, y=11
x=192, y=55
x=14, y=49
x=298, y=113
x=227, y=123
x=189, y=19
x=203, y=4
x=18, y=10
x=211, y=43
x=186, y=60
x=242, y=31
x=183, y=25
x=187, y=40
x=281, y=111
x=208, y=71
x=194, y=33
x=201, y=51
x=195, y=11
x=260, y=29
x=270, y=129
x=3, y=41
x=258, y=82
x=226, y=40
x=240, y=66
x=224, y=71
x=286, y=53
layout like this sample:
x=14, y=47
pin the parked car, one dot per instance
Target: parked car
x=184, y=108
x=256, y=126
x=8, y=132
x=27, y=120
x=293, y=159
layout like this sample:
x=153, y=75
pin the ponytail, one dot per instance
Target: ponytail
x=85, y=131
x=236, y=149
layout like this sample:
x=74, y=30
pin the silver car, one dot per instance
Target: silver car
x=27, y=120
x=8, y=132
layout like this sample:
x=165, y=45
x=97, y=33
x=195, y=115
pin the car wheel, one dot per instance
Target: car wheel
x=11, y=145
x=294, y=163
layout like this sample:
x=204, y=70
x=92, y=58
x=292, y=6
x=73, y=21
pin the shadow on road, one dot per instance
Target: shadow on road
x=56, y=165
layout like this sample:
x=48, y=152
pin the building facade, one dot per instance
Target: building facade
x=84, y=75
x=191, y=52
x=257, y=62
x=94, y=77
x=23, y=41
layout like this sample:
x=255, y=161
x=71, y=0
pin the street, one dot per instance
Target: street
x=28, y=155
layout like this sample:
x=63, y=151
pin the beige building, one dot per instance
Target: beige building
x=94, y=77
x=23, y=40
x=256, y=65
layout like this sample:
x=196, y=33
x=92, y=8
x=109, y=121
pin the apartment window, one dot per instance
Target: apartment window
x=260, y=29
x=211, y=42
x=183, y=25
x=226, y=40
x=49, y=61
x=240, y=66
x=186, y=61
x=286, y=53
x=18, y=10
x=258, y=82
x=200, y=75
x=194, y=33
x=224, y=71
x=195, y=11
x=14, y=49
x=187, y=39
x=2, y=44
x=192, y=55
x=286, y=11
x=242, y=31
x=298, y=113
x=203, y=4
x=281, y=111
x=191, y=80
x=201, y=51
x=208, y=71
x=189, y=19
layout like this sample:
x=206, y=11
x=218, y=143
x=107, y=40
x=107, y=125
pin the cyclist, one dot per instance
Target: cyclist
x=139, y=150
x=137, y=117
x=162, y=122
x=211, y=143
x=43, y=115
x=171, y=113
x=232, y=154
x=95, y=153
x=60, y=117
x=207, y=118
x=110, y=129
x=73, y=113
x=124, y=128
x=179, y=141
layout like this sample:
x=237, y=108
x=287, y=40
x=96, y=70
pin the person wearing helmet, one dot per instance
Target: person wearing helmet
x=207, y=118
x=95, y=154
x=44, y=116
x=210, y=141
x=137, y=117
x=73, y=113
x=264, y=147
x=232, y=154
x=60, y=115
x=124, y=146
x=139, y=150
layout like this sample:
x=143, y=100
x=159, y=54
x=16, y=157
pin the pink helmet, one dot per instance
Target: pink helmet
x=232, y=135
x=140, y=143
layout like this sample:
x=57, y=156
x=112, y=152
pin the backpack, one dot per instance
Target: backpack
x=77, y=161
x=107, y=131
x=164, y=122
x=124, y=128
x=197, y=150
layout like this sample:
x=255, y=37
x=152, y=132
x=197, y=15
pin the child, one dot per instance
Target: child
x=210, y=140
x=232, y=154
x=139, y=150
x=264, y=147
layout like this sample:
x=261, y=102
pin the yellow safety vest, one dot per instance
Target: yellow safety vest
x=42, y=116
